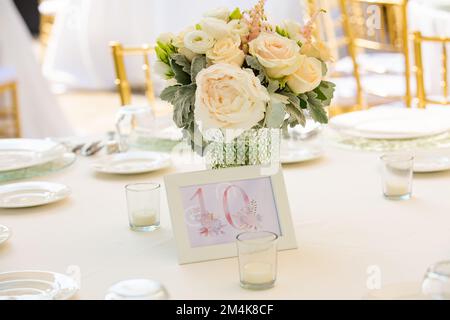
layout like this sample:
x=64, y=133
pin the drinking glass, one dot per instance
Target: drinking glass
x=436, y=283
x=257, y=254
x=396, y=176
x=131, y=123
x=137, y=289
x=143, y=206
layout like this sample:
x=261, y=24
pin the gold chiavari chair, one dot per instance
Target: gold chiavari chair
x=8, y=87
x=377, y=26
x=422, y=96
x=47, y=13
x=123, y=86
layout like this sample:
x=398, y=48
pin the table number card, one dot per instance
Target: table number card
x=210, y=208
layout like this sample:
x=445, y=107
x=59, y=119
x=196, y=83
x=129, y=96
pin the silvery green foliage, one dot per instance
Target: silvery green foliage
x=289, y=111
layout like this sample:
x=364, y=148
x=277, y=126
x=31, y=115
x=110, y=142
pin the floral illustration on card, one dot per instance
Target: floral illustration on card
x=217, y=213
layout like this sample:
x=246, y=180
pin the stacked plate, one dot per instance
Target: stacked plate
x=16, y=154
x=394, y=125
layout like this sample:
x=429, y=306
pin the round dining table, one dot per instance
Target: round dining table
x=352, y=243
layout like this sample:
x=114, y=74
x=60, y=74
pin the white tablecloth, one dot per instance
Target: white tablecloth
x=39, y=112
x=431, y=21
x=343, y=224
x=78, y=54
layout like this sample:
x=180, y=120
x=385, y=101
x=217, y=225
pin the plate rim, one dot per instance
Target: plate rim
x=68, y=192
x=99, y=165
x=60, y=296
x=48, y=155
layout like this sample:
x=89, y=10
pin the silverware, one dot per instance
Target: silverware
x=90, y=149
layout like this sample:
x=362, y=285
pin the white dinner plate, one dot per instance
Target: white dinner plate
x=31, y=194
x=36, y=285
x=24, y=153
x=300, y=155
x=392, y=123
x=431, y=163
x=132, y=162
x=5, y=233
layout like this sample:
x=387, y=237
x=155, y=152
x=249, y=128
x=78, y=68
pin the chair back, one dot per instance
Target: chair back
x=422, y=97
x=377, y=25
x=9, y=114
x=123, y=86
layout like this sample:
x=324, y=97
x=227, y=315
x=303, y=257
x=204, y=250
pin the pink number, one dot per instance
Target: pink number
x=201, y=201
x=226, y=207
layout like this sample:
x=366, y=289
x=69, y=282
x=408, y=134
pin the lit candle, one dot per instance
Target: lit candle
x=144, y=218
x=396, y=189
x=257, y=273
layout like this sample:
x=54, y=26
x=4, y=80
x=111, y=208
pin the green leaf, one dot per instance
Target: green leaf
x=182, y=61
x=292, y=98
x=316, y=108
x=197, y=65
x=162, y=55
x=324, y=69
x=273, y=86
x=183, y=99
x=236, y=14
x=281, y=32
x=275, y=114
x=325, y=92
x=181, y=68
x=296, y=115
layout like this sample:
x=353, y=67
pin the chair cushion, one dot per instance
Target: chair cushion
x=49, y=7
x=7, y=75
x=380, y=63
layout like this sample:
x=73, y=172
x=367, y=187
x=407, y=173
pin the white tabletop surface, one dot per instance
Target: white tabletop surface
x=343, y=224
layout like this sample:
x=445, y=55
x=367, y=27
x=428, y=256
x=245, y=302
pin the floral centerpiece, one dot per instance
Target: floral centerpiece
x=235, y=77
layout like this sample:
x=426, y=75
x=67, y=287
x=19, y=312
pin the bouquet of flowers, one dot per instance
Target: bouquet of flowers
x=233, y=71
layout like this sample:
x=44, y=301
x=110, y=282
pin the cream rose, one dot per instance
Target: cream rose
x=317, y=49
x=279, y=55
x=227, y=50
x=221, y=13
x=228, y=97
x=307, y=77
x=216, y=28
x=198, y=41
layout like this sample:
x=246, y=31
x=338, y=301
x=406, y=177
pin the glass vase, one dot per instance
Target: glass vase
x=252, y=147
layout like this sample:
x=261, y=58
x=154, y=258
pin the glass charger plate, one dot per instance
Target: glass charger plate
x=66, y=160
x=154, y=144
x=439, y=141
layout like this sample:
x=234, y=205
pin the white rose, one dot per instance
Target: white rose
x=166, y=37
x=216, y=28
x=221, y=13
x=228, y=97
x=239, y=27
x=226, y=50
x=317, y=49
x=279, y=55
x=198, y=41
x=294, y=30
x=178, y=41
x=307, y=77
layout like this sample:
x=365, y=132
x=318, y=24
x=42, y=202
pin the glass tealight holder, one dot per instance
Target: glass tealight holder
x=436, y=283
x=257, y=254
x=137, y=289
x=397, y=176
x=143, y=206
